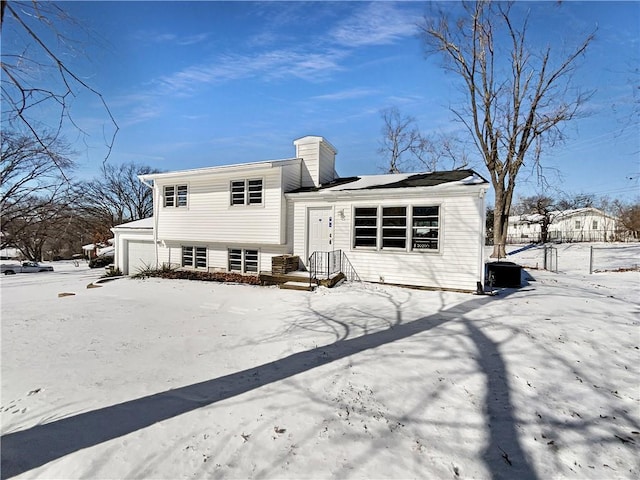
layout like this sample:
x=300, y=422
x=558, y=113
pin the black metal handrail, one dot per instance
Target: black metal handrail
x=326, y=264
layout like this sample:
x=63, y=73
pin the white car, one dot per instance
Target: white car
x=25, y=267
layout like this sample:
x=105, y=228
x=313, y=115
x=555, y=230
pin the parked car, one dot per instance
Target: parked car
x=25, y=267
x=101, y=260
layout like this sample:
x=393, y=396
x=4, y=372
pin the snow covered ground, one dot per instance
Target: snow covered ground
x=177, y=379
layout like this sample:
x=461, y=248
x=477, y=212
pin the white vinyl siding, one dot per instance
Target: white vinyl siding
x=455, y=264
x=211, y=219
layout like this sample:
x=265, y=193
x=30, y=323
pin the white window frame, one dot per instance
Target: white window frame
x=178, y=198
x=247, y=259
x=198, y=257
x=374, y=227
x=385, y=229
x=246, y=195
x=409, y=228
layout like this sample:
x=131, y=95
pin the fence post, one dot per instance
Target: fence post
x=590, y=259
x=544, y=263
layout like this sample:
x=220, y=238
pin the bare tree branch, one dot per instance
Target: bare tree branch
x=23, y=87
x=517, y=99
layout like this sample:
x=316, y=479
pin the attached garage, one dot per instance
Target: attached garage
x=140, y=255
x=134, y=245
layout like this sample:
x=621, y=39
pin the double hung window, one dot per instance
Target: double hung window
x=394, y=227
x=366, y=227
x=425, y=228
x=175, y=195
x=246, y=192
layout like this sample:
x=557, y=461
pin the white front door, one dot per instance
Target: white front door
x=319, y=230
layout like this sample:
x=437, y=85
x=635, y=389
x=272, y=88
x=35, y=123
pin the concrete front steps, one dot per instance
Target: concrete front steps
x=299, y=280
x=305, y=286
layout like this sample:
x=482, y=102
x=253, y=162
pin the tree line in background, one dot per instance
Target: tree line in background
x=46, y=214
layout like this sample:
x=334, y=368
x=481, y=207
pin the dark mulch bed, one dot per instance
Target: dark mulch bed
x=205, y=277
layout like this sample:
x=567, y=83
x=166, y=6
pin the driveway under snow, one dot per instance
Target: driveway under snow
x=181, y=379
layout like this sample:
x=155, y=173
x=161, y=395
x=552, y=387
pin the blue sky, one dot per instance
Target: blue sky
x=195, y=84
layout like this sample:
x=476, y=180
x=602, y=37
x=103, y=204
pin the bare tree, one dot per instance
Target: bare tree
x=401, y=139
x=628, y=214
x=517, y=98
x=542, y=206
x=117, y=196
x=33, y=178
x=35, y=73
x=406, y=149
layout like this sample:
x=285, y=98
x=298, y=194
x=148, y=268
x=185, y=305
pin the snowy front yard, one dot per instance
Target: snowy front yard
x=177, y=379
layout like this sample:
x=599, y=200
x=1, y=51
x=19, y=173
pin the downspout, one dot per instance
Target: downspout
x=155, y=215
x=482, y=229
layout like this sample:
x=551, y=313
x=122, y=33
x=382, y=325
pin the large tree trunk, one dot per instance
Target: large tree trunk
x=501, y=212
x=500, y=226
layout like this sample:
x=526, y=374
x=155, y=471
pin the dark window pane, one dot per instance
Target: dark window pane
x=182, y=195
x=394, y=222
x=394, y=211
x=187, y=256
x=201, y=257
x=365, y=242
x=365, y=222
x=235, y=260
x=425, y=211
x=394, y=243
x=366, y=212
x=394, y=232
x=255, y=191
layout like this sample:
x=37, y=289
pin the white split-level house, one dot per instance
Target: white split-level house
x=409, y=229
x=577, y=225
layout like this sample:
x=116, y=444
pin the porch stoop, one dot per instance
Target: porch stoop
x=305, y=286
x=299, y=280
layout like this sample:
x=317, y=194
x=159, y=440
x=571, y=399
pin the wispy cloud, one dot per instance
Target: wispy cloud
x=347, y=94
x=275, y=64
x=172, y=38
x=378, y=23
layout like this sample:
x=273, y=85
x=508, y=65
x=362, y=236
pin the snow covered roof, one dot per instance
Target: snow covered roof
x=143, y=223
x=555, y=215
x=400, y=180
x=526, y=218
x=579, y=211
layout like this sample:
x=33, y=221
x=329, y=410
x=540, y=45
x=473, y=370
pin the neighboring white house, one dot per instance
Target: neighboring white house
x=578, y=225
x=422, y=229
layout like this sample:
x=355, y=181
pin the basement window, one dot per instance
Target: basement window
x=243, y=260
x=194, y=257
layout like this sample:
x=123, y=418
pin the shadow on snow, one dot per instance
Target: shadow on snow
x=503, y=456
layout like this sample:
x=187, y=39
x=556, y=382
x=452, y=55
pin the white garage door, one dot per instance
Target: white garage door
x=140, y=255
